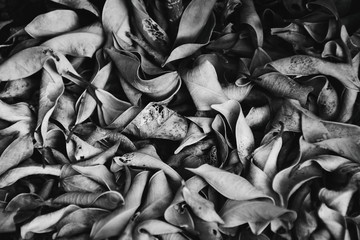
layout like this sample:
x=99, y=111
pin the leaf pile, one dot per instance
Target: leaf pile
x=179, y=119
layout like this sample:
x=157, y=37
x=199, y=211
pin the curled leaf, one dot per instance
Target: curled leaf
x=188, y=32
x=98, y=173
x=14, y=174
x=106, y=200
x=115, y=222
x=201, y=207
x=228, y=184
x=46, y=222
x=139, y=159
x=306, y=65
x=203, y=85
x=236, y=213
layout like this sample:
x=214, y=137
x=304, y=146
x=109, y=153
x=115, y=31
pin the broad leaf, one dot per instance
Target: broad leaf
x=53, y=23
x=236, y=213
x=228, y=184
x=30, y=60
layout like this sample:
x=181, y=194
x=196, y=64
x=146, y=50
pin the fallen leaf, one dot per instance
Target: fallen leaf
x=53, y=23
x=46, y=222
x=239, y=188
x=158, y=121
x=115, y=222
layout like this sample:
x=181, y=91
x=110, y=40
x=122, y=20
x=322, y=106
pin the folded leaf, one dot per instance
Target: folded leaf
x=236, y=213
x=78, y=221
x=306, y=65
x=315, y=130
x=115, y=222
x=203, y=85
x=86, y=104
x=157, y=121
x=80, y=183
x=283, y=86
x=154, y=227
x=106, y=200
x=24, y=202
x=98, y=173
x=188, y=31
x=201, y=207
x=334, y=222
x=249, y=16
x=193, y=135
x=228, y=184
x=45, y=223
x=110, y=108
x=157, y=88
x=158, y=198
x=187, y=49
x=139, y=159
x=51, y=88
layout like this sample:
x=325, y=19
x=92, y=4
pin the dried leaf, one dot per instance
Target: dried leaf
x=14, y=174
x=19, y=150
x=45, y=223
x=303, y=65
x=78, y=221
x=188, y=31
x=24, y=202
x=158, y=198
x=115, y=222
x=79, y=44
x=334, y=222
x=188, y=49
x=282, y=86
x=107, y=200
x=249, y=16
x=236, y=213
x=148, y=28
x=86, y=104
x=21, y=88
x=203, y=85
x=80, y=183
x=144, y=160
x=53, y=23
x=201, y=207
x=24, y=63
x=157, y=121
x=115, y=19
x=79, y=4
x=51, y=88
x=193, y=135
x=228, y=184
